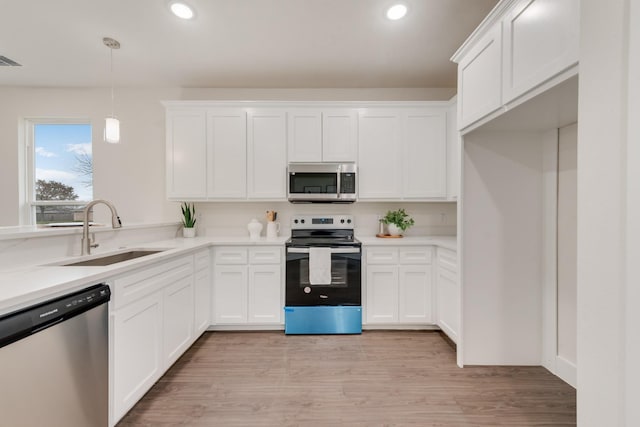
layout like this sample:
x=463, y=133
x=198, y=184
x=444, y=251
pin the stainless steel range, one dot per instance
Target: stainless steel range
x=323, y=276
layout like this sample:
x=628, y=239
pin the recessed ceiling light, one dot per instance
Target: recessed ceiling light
x=181, y=10
x=397, y=11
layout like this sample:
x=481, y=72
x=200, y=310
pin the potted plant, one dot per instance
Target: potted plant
x=397, y=222
x=188, y=219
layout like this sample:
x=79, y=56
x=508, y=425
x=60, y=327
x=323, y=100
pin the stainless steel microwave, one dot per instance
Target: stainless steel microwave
x=322, y=182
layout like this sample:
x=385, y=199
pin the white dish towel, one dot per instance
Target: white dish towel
x=320, y=266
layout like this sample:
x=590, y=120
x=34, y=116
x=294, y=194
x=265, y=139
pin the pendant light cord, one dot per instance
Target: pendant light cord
x=111, y=70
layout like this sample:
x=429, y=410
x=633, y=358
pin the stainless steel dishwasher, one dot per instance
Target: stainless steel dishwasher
x=54, y=367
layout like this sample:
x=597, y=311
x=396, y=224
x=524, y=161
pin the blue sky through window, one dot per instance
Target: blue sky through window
x=56, y=151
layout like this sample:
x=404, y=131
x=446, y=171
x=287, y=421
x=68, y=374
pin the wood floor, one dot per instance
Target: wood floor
x=379, y=378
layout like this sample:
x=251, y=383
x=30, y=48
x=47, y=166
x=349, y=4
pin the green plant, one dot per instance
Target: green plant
x=400, y=218
x=188, y=215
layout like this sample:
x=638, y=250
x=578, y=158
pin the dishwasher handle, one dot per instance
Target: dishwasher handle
x=27, y=321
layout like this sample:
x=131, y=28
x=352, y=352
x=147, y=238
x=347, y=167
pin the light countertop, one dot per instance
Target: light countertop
x=49, y=279
x=448, y=242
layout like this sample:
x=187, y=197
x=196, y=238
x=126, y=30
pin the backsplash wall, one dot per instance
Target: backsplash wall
x=231, y=218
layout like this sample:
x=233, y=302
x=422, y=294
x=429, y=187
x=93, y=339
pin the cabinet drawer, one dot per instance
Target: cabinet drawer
x=202, y=260
x=448, y=259
x=382, y=255
x=422, y=255
x=265, y=255
x=229, y=256
x=136, y=285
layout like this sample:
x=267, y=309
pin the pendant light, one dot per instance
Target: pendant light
x=111, y=124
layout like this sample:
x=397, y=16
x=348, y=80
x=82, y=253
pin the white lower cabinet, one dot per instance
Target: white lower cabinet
x=382, y=294
x=137, y=352
x=448, y=293
x=247, y=285
x=264, y=294
x=230, y=294
x=414, y=294
x=156, y=314
x=178, y=319
x=202, y=292
x=399, y=285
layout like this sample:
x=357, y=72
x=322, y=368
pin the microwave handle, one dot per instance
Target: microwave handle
x=333, y=250
x=338, y=181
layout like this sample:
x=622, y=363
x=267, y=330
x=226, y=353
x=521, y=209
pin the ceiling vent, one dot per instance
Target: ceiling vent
x=6, y=62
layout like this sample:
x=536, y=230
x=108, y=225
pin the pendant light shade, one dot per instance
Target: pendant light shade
x=111, y=124
x=112, y=130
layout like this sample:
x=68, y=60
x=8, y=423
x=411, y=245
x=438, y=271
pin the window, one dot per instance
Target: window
x=59, y=172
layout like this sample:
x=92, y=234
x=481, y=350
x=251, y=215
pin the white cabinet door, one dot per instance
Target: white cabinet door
x=227, y=153
x=448, y=293
x=382, y=294
x=137, y=351
x=339, y=135
x=265, y=289
x=202, y=292
x=453, y=153
x=448, y=303
x=415, y=294
x=379, y=151
x=267, y=154
x=541, y=39
x=425, y=154
x=305, y=135
x=230, y=294
x=178, y=319
x=186, y=154
x=480, y=79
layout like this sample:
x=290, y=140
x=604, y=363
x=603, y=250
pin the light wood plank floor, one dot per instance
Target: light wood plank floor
x=379, y=378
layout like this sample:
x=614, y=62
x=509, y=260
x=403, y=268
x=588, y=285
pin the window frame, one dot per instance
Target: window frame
x=27, y=182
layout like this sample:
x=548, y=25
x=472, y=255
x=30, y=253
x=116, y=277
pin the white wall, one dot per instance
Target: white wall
x=502, y=254
x=131, y=174
x=632, y=290
x=567, y=243
x=232, y=218
x=608, y=212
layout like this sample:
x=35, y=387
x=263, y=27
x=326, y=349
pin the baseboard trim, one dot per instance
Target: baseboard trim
x=566, y=371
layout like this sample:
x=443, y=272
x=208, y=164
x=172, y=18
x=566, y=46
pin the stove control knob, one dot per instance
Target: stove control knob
x=348, y=221
x=302, y=221
x=295, y=221
x=342, y=221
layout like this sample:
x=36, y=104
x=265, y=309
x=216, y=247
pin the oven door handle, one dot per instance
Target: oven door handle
x=333, y=250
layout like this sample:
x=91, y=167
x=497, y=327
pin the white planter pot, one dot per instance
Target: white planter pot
x=189, y=232
x=394, y=230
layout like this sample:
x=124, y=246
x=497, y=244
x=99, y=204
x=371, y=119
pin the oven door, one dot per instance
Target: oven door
x=345, y=287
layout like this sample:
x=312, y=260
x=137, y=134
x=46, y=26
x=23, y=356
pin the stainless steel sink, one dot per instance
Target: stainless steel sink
x=113, y=259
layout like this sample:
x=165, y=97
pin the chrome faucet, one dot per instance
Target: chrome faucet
x=87, y=243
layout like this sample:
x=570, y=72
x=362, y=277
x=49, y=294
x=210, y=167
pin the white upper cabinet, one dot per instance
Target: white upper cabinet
x=227, y=153
x=402, y=154
x=522, y=48
x=480, y=78
x=379, y=155
x=339, y=135
x=267, y=154
x=541, y=39
x=230, y=151
x=322, y=136
x=425, y=154
x=305, y=136
x=186, y=154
